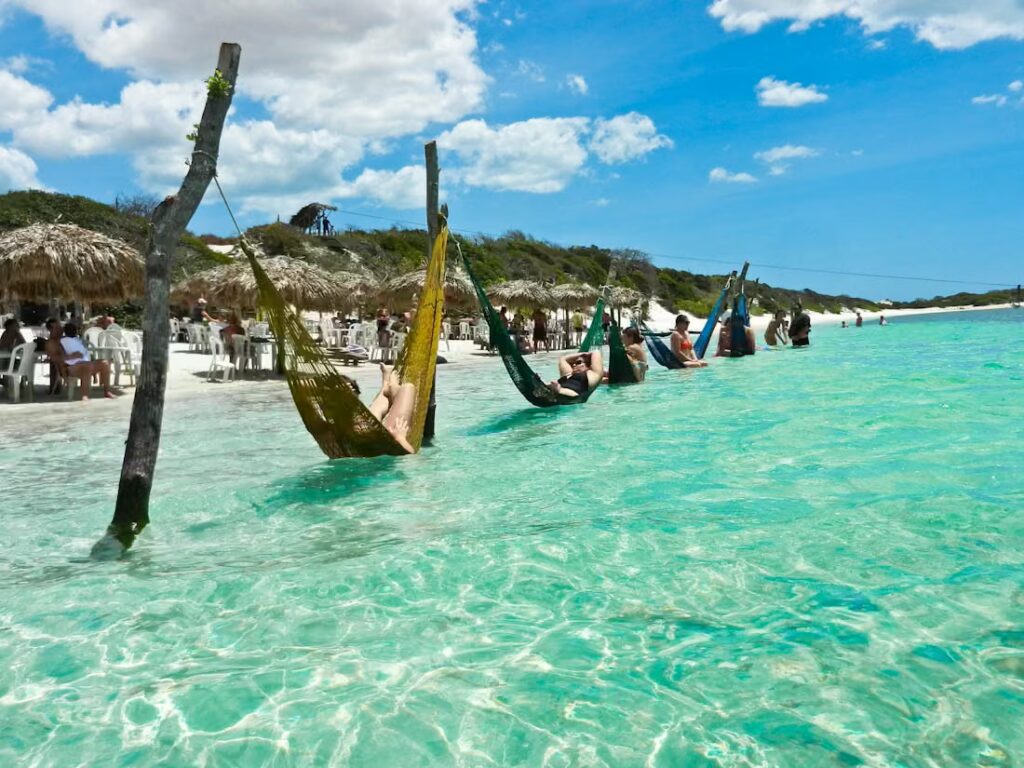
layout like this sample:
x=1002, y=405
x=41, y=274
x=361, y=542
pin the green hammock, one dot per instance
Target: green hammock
x=620, y=367
x=529, y=384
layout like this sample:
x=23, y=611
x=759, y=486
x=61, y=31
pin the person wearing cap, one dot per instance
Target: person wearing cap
x=199, y=311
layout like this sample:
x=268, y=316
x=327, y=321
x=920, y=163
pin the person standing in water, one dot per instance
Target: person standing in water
x=800, y=328
x=860, y=321
x=775, y=333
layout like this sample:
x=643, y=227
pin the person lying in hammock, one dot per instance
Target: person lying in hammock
x=581, y=373
x=682, y=345
x=393, y=406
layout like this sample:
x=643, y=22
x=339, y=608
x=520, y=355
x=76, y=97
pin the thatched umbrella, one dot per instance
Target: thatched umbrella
x=575, y=295
x=521, y=293
x=48, y=261
x=620, y=296
x=304, y=285
x=458, y=290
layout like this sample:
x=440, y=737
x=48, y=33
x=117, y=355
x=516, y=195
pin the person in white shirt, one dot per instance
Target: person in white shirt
x=66, y=348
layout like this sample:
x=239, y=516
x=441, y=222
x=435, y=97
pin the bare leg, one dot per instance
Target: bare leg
x=399, y=417
x=382, y=402
x=84, y=373
x=103, y=369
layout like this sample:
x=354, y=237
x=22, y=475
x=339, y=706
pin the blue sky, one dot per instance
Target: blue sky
x=868, y=137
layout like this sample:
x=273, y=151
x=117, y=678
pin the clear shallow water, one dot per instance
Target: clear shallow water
x=804, y=558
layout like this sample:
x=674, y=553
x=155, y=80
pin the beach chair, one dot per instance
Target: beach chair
x=219, y=361
x=20, y=372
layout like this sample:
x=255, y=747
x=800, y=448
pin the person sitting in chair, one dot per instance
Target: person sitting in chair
x=67, y=351
x=11, y=336
x=393, y=406
x=581, y=373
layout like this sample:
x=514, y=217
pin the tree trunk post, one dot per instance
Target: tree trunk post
x=131, y=513
x=433, y=228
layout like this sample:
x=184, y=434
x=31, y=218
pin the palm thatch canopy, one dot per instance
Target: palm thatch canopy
x=307, y=214
x=304, y=285
x=620, y=296
x=521, y=293
x=575, y=295
x=50, y=261
x=458, y=290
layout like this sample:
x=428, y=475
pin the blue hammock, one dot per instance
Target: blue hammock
x=700, y=347
x=662, y=354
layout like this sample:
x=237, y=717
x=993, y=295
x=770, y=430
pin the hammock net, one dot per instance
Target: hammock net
x=339, y=422
x=620, y=367
x=529, y=384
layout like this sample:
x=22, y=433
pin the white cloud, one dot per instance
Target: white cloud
x=996, y=99
x=943, y=23
x=779, y=158
x=415, y=57
x=723, y=176
x=876, y=45
x=17, y=170
x=779, y=93
x=404, y=188
x=539, y=155
x=602, y=202
x=22, y=101
x=1016, y=85
x=785, y=152
x=578, y=84
x=626, y=137
x=530, y=70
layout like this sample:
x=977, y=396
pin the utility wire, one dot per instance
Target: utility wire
x=670, y=257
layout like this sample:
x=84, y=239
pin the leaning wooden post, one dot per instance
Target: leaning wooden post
x=433, y=229
x=131, y=513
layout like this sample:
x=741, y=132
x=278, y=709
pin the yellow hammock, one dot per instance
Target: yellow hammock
x=330, y=409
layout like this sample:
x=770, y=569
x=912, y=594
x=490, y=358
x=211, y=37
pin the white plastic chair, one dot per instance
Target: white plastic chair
x=20, y=371
x=241, y=352
x=112, y=346
x=91, y=336
x=465, y=330
x=195, y=340
x=217, y=363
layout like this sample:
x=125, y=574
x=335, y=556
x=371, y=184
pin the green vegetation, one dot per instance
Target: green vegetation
x=391, y=252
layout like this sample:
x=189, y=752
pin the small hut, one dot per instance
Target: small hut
x=303, y=285
x=458, y=290
x=42, y=262
x=521, y=294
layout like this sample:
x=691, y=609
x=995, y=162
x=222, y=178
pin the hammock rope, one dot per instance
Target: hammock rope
x=330, y=409
x=529, y=384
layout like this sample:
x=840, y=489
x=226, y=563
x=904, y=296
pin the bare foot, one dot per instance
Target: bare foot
x=109, y=395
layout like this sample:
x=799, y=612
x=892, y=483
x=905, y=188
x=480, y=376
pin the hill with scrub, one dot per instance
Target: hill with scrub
x=389, y=252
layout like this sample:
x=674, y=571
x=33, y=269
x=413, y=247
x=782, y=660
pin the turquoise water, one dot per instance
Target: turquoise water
x=803, y=558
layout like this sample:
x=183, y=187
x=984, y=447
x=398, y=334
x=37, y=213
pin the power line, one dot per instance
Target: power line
x=760, y=265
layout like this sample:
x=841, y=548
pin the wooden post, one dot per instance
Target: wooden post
x=131, y=513
x=433, y=228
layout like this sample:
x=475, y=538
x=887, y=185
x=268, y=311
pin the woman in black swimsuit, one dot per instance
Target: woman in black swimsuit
x=581, y=372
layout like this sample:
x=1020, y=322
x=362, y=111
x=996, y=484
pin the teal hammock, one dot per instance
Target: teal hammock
x=529, y=384
x=620, y=367
x=738, y=327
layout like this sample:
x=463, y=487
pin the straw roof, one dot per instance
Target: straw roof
x=620, y=296
x=48, y=261
x=575, y=295
x=458, y=290
x=304, y=285
x=521, y=293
